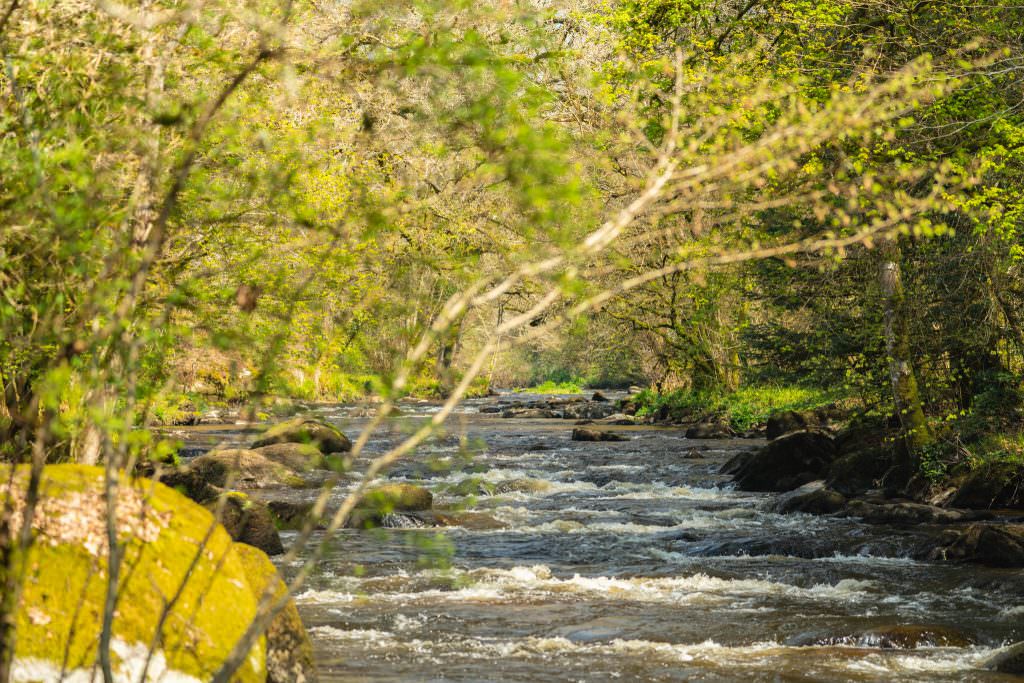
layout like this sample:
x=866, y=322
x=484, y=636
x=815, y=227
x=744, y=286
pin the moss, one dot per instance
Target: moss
x=65, y=585
x=289, y=652
x=397, y=497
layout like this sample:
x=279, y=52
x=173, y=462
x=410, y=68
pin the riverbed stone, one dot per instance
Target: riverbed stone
x=710, y=430
x=788, y=462
x=243, y=469
x=581, y=434
x=247, y=521
x=298, y=457
x=813, y=498
x=787, y=421
x=909, y=513
x=996, y=545
x=996, y=485
x=1009, y=660
x=325, y=437
x=162, y=531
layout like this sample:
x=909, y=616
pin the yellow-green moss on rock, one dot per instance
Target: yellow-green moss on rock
x=60, y=614
x=289, y=652
x=327, y=438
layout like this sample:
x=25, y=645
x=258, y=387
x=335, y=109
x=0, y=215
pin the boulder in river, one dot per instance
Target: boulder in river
x=243, y=469
x=598, y=396
x=289, y=653
x=907, y=513
x=531, y=413
x=580, y=434
x=298, y=457
x=1009, y=660
x=289, y=514
x=710, y=430
x=997, y=485
x=397, y=498
x=325, y=437
x=788, y=462
x=787, y=421
x=813, y=498
x=169, y=544
x=996, y=545
x=247, y=521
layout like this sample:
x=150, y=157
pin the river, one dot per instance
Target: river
x=632, y=561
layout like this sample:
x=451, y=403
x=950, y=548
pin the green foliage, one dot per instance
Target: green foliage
x=743, y=409
x=553, y=387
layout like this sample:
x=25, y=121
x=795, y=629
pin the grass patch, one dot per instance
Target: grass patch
x=552, y=387
x=743, y=409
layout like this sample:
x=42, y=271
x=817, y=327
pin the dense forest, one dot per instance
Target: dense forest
x=736, y=207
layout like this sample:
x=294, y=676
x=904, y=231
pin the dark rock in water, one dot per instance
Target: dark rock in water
x=736, y=462
x=710, y=430
x=327, y=438
x=289, y=515
x=596, y=435
x=889, y=637
x=996, y=545
x=870, y=457
x=589, y=410
x=396, y=498
x=598, y=396
x=788, y=462
x=247, y=521
x=243, y=469
x=693, y=454
x=531, y=413
x=999, y=485
x=1009, y=660
x=488, y=410
x=190, y=483
x=814, y=498
x=906, y=513
x=583, y=422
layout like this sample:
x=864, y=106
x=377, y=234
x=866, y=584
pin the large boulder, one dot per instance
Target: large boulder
x=813, y=498
x=327, y=438
x=788, y=462
x=906, y=513
x=170, y=544
x=392, y=506
x=996, y=545
x=788, y=421
x=1009, y=660
x=710, y=430
x=580, y=434
x=998, y=485
x=247, y=521
x=289, y=654
x=243, y=469
x=298, y=457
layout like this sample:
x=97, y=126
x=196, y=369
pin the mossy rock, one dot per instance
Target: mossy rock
x=994, y=485
x=289, y=652
x=243, y=469
x=247, y=521
x=298, y=457
x=327, y=438
x=60, y=615
x=397, y=498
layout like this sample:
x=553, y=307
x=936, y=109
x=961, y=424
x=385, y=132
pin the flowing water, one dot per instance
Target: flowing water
x=629, y=561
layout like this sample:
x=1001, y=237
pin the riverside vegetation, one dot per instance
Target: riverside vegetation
x=798, y=221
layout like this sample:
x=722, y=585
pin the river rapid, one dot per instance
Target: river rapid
x=630, y=561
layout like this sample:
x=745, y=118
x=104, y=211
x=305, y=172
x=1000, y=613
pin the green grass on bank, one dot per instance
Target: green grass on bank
x=552, y=387
x=743, y=409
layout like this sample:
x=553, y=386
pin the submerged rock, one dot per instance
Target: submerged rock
x=1009, y=660
x=788, y=462
x=889, y=637
x=327, y=438
x=163, y=533
x=579, y=434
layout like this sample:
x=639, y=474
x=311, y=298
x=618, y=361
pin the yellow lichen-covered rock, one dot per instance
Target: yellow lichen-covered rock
x=60, y=613
x=396, y=498
x=289, y=652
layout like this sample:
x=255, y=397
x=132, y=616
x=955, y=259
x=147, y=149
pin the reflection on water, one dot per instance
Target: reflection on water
x=626, y=561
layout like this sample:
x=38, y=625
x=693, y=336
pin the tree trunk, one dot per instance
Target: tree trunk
x=897, y=346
